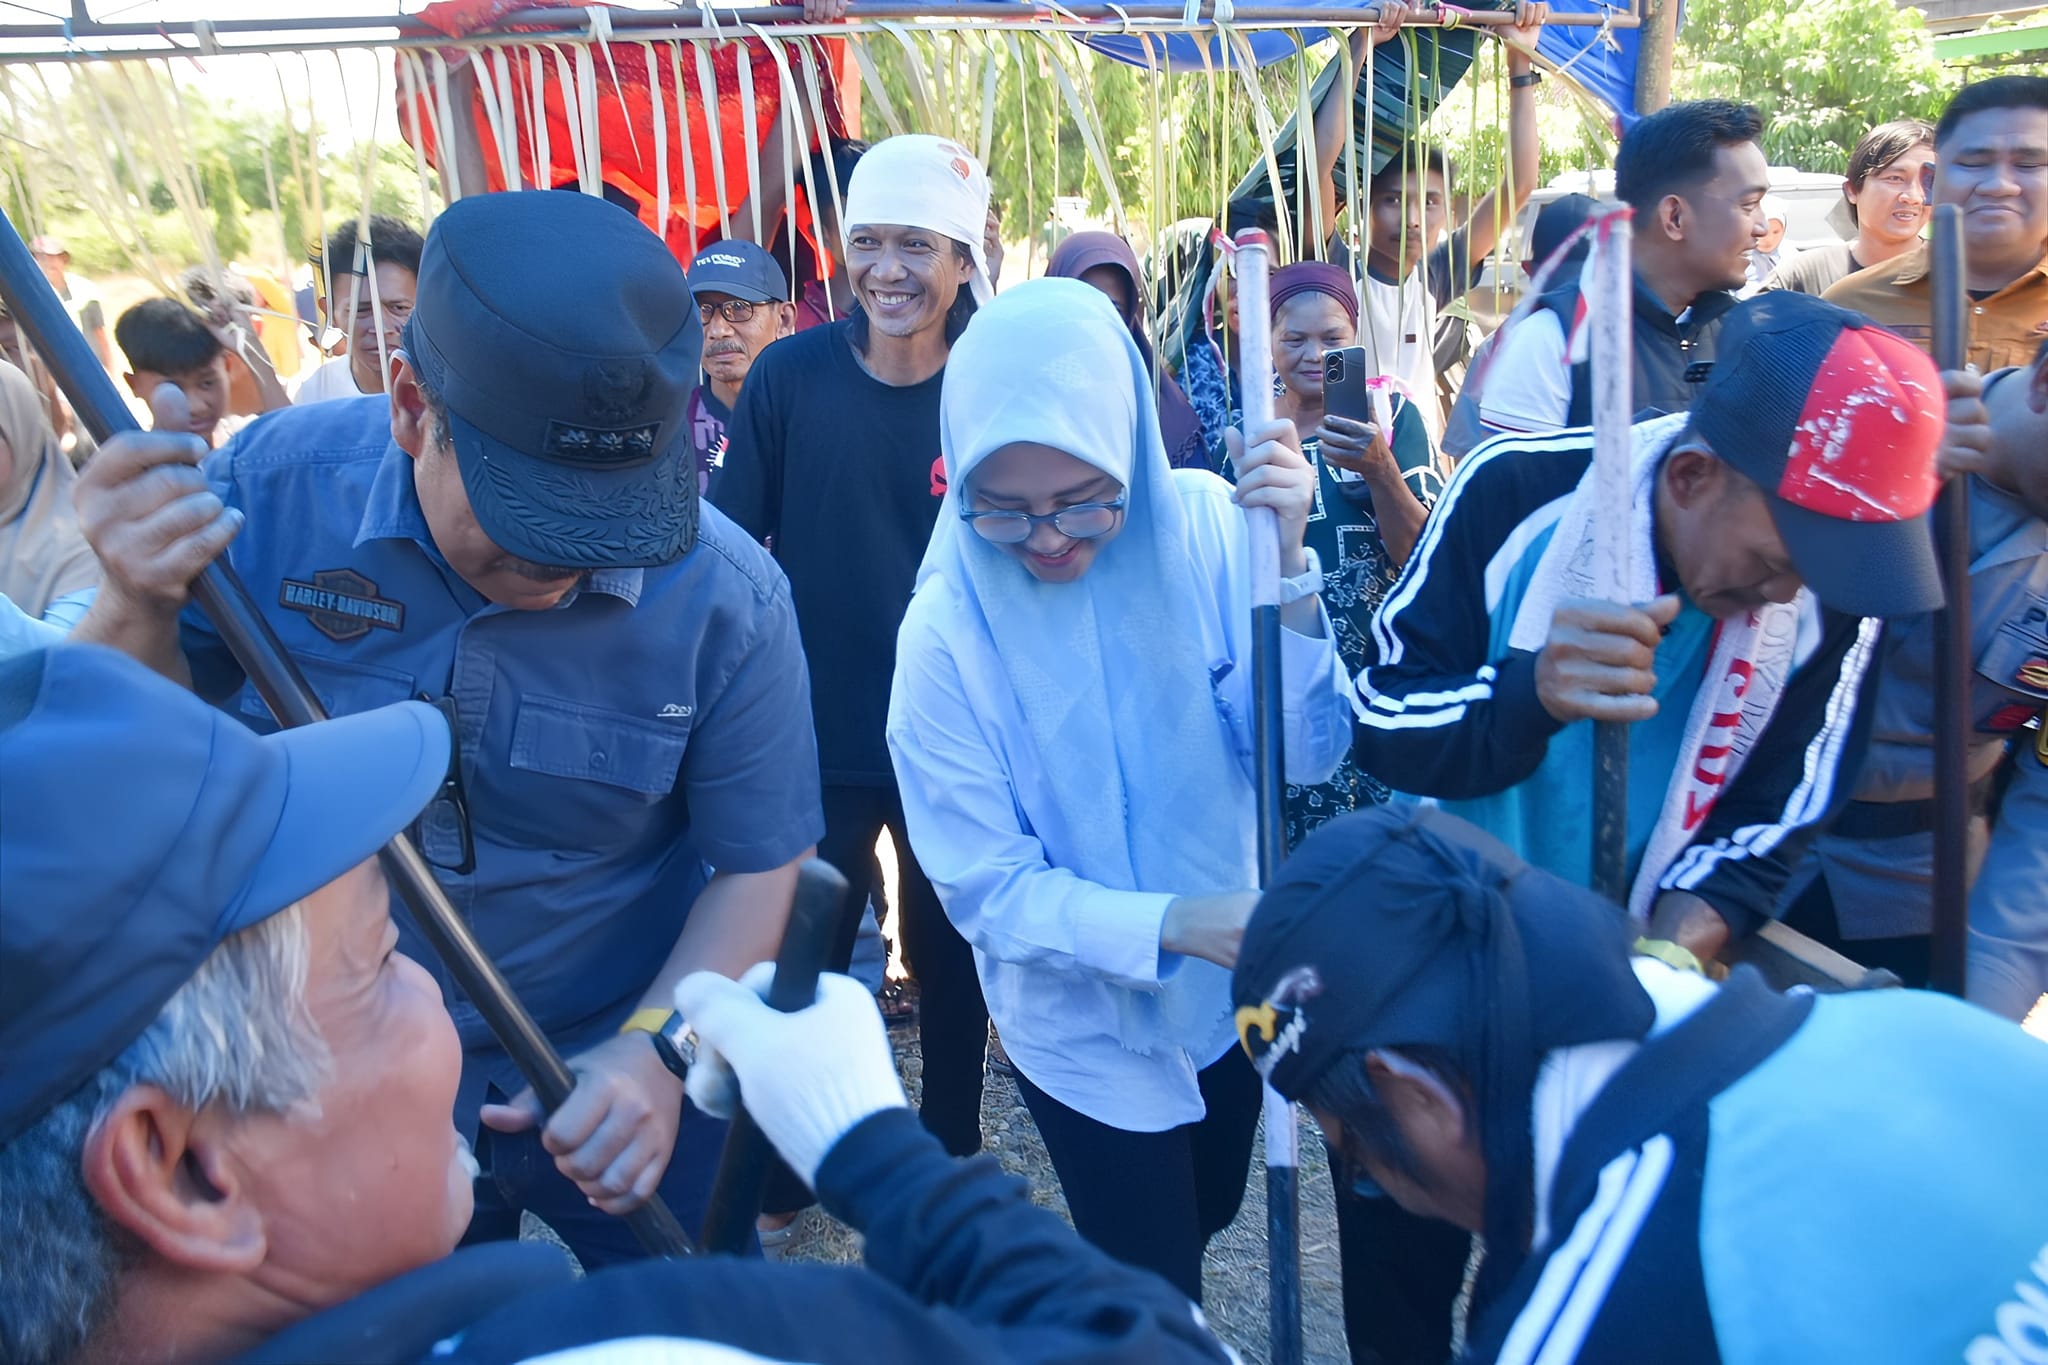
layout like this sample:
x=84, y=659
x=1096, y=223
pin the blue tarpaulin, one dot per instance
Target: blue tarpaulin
x=1608, y=70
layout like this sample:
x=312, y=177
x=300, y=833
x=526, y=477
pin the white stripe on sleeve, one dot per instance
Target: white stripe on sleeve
x=1553, y=1324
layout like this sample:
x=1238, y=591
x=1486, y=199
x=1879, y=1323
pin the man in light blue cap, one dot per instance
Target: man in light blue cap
x=225, y=1093
x=513, y=530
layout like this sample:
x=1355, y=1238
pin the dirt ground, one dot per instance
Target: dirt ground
x=1234, y=1280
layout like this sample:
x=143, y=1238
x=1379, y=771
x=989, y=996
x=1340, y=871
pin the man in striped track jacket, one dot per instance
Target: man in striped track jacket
x=1769, y=529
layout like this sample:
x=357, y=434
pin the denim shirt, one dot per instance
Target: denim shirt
x=655, y=724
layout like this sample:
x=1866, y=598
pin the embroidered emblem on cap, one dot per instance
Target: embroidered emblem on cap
x=614, y=393
x=616, y=390
x=599, y=445
x=341, y=604
x=2033, y=674
x=1271, y=1031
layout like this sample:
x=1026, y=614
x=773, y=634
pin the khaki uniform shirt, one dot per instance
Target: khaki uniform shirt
x=2005, y=329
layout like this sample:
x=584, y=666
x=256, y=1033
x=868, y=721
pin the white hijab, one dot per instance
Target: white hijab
x=1108, y=670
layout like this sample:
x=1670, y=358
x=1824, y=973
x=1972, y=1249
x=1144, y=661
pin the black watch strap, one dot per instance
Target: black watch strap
x=1525, y=80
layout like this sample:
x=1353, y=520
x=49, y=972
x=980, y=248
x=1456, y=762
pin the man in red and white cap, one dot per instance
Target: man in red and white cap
x=1770, y=528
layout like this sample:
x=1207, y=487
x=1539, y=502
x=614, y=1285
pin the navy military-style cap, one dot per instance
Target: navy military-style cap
x=140, y=827
x=564, y=340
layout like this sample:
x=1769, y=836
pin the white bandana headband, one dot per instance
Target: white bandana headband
x=918, y=180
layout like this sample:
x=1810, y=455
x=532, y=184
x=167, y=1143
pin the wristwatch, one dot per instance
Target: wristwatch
x=1525, y=80
x=675, y=1042
x=1307, y=583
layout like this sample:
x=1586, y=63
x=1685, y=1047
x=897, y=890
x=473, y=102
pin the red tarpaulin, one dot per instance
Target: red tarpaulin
x=625, y=115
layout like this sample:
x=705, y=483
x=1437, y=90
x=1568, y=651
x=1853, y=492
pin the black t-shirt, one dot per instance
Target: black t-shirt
x=708, y=421
x=841, y=476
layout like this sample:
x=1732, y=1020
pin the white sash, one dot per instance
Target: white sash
x=1752, y=659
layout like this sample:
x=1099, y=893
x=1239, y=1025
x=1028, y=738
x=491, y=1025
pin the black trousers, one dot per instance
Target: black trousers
x=1402, y=1273
x=952, y=1018
x=1155, y=1199
x=1812, y=912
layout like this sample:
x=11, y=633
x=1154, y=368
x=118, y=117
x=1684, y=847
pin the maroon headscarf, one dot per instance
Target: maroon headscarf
x=1178, y=425
x=1314, y=277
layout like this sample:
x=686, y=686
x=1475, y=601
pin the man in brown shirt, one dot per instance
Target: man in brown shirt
x=1991, y=158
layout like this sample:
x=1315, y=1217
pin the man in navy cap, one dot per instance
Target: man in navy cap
x=743, y=302
x=224, y=1111
x=1662, y=1170
x=513, y=532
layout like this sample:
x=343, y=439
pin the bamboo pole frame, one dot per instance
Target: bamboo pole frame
x=74, y=42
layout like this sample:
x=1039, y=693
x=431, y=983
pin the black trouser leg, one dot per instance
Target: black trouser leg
x=952, y=1018
x=854, y=820
x=1402, y=1274
x=1812, y=913
x=1153, y=1200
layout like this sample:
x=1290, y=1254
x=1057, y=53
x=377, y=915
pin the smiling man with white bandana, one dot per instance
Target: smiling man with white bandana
x=1770, y=528
x=834, y=463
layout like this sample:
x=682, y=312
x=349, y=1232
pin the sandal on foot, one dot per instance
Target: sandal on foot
x=999, y=1060
x=898, y=1002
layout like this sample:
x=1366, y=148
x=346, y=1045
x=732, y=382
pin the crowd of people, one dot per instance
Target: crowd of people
x=633, y=583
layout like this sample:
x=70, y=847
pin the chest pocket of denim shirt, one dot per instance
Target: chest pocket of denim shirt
x=344, y=689
x=616, y=764
x=2016, y=659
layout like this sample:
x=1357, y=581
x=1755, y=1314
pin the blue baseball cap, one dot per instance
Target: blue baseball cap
x=140, y=827
x=739, y=268
x=564, y=340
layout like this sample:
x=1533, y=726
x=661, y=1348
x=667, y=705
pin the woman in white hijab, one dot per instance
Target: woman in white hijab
x=1071, y=727
x=43, y=555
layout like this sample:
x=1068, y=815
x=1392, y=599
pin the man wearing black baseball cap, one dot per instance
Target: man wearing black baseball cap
x=1662, y=1170
x=743, y=302
x=1767, y=531
x=224, y=1109
x=513, y=532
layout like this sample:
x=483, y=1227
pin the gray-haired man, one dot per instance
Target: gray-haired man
x=225, y=1109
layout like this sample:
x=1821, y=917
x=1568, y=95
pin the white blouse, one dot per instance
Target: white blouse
x=1055, y=951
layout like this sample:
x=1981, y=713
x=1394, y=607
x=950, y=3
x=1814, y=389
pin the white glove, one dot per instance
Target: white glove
x=808, y=1078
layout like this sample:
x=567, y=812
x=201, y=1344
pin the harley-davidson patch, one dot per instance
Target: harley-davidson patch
x=341, y=604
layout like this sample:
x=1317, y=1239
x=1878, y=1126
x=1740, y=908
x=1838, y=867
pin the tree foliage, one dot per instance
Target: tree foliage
x=1821, y=71
x=136, y=177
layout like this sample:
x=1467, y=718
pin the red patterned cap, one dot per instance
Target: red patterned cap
x=1838, y=421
